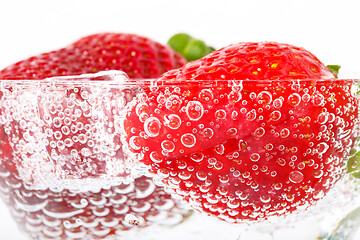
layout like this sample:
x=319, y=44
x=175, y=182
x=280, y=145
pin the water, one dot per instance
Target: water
x=64, y=175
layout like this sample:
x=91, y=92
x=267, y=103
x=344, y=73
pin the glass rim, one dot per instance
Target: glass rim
x=142, y=81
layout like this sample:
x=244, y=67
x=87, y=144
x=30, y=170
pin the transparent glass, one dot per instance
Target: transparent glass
x=70, y=170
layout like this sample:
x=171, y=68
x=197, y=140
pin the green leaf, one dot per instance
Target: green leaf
x=353, y=164
x=191, y=48
x=179, y=41
x=346, y=228
x=334, y=69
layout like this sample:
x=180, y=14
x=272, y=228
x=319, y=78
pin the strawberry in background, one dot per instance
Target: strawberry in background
x=137, y=56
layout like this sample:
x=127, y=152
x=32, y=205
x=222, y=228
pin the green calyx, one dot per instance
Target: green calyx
x=191, y=48
x=353, y=164
x=334, y=69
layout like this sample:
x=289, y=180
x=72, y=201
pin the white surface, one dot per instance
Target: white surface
x=8, y=228
x=328, y=28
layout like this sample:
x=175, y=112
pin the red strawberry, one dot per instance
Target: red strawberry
x=140, y=58
x=250, y=131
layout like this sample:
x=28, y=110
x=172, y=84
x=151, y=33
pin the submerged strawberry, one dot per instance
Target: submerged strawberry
x=73, y=135
x=250, y=131
x=138, y=56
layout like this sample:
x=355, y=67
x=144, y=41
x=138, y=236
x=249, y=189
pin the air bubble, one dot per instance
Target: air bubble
x=281, y=161
x=167, y=145
x=246, y=175
x=57, y=122
x=231, y=131
x=306, y=97
x=135, y=142
x=318, y=194
x=234, y=96
x=284, y=133
x=173, y=103
x=212, y=161
x=236, y=173
x=319, y=100
x=152, y=126
x=254, y=157
x=252, y=95
x=318, y=174
x=277, y=186
x=294, y=99
x=218, y=165
x=264, y=97
x=207, y=133
x=275, y=115
x=197, y=157
x=220, y=149
x=265, y=199
x=301, y=165
x=250, y=116
x=289, y=197
x=172, y=121
x=323, y=117
x=132, y=220
x=65, y=130
x=233, y=205
x=206, y=95
x=322, y=148
x=259, y=132
x=155, y=157
x=201, y=176
x=224, y=179
x=277, y=103
x=296, y=177
x=269, y=146
x=184, y=175
x=220, y=114
x=194, y=110
x=188, y=140
x=141, y=108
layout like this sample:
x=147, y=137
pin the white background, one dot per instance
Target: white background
x=329, y=29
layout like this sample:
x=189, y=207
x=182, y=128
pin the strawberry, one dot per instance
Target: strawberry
x=250, y=131
x=138, y=56
x=141, y=58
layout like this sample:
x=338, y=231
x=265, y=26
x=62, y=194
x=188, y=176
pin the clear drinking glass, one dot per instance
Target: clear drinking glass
x=63, y=171
x=67, y=172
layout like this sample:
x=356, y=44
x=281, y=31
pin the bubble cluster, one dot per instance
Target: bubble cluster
x=111, y=213
x=63, y=173
x=64, y=132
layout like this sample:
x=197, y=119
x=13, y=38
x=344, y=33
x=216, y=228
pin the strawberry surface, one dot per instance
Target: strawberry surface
x=138, y=56
x=250, y=131
x=71, y=133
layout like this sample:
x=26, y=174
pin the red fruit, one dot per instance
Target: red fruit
x=104, y=215
x=250, y=131
x=139, y=57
